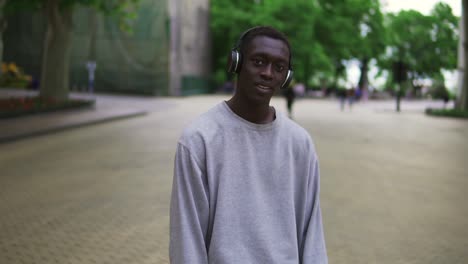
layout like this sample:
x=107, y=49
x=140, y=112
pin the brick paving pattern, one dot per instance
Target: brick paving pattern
x=393, y=186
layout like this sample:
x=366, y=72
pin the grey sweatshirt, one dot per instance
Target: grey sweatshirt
x=245, y=193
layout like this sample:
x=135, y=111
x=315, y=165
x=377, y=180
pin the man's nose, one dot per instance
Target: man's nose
x=267, y=71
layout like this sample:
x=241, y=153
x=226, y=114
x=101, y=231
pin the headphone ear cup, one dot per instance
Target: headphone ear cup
x=233, y=64
x=288, y=79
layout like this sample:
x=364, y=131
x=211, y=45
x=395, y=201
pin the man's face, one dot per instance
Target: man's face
x=264, y=68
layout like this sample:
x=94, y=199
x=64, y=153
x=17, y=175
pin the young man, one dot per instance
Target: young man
x=246, y=177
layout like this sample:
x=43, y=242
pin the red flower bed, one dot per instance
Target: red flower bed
x=17, y=106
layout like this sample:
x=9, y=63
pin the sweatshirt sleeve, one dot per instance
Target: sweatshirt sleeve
x=314, y=250
x=189, y=213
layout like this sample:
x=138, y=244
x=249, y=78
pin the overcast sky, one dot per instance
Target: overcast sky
x=423, y=6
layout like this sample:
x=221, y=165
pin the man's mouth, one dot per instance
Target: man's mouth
x=264, y=87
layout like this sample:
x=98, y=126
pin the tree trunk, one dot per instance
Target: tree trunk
x=462, y=102
x=175, y=66
x=306, y=70
x=363, y=83
x=92, y=35
x=55, y=63
x=2, y=29
x=339, y=69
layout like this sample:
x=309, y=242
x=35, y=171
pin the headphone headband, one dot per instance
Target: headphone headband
x=241, y=38
x=244, y=34
x=235, y=58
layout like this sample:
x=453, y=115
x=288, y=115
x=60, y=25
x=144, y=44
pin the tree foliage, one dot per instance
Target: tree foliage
x=230, y=18
x=462, y=100
x=325, y=34
x=426, y=44
x=122, y=10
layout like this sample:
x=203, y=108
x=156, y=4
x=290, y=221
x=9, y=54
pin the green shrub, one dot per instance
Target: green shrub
x=447, y=113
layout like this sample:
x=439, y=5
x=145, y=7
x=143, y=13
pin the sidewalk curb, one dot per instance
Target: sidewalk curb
x=59, y=128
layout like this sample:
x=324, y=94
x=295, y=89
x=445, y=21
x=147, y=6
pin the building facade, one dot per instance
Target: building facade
x=165, y=53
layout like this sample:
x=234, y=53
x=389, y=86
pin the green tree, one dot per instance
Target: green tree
x=297, y=20
x=326, y=33
x=335, y=31
x=228, y=20
x=369, y=44
x=54, y=81
x=462, y=101
x=351, y=29
x=445, y=36
x=425, y=44
x=409, y=34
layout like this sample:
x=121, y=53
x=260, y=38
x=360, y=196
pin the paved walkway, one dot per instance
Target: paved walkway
x=393, y=185
x=107, y=108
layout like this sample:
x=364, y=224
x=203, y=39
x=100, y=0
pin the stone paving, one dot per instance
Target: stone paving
x=106, y=108
x=393, y=185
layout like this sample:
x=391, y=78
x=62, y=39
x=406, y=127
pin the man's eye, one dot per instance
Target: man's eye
x=258, y=62
x=279, y=68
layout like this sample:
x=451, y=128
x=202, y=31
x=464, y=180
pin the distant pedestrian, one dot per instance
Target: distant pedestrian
x=290, y=96
x=299, y=89
x=341, y=94
x=351, y=96
x=446, y=99
x=346, y=96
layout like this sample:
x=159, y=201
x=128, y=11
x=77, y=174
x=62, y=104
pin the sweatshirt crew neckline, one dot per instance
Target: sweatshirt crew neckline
x=268, y=126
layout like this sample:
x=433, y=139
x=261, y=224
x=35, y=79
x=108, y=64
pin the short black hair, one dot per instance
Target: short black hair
x=266, y=31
